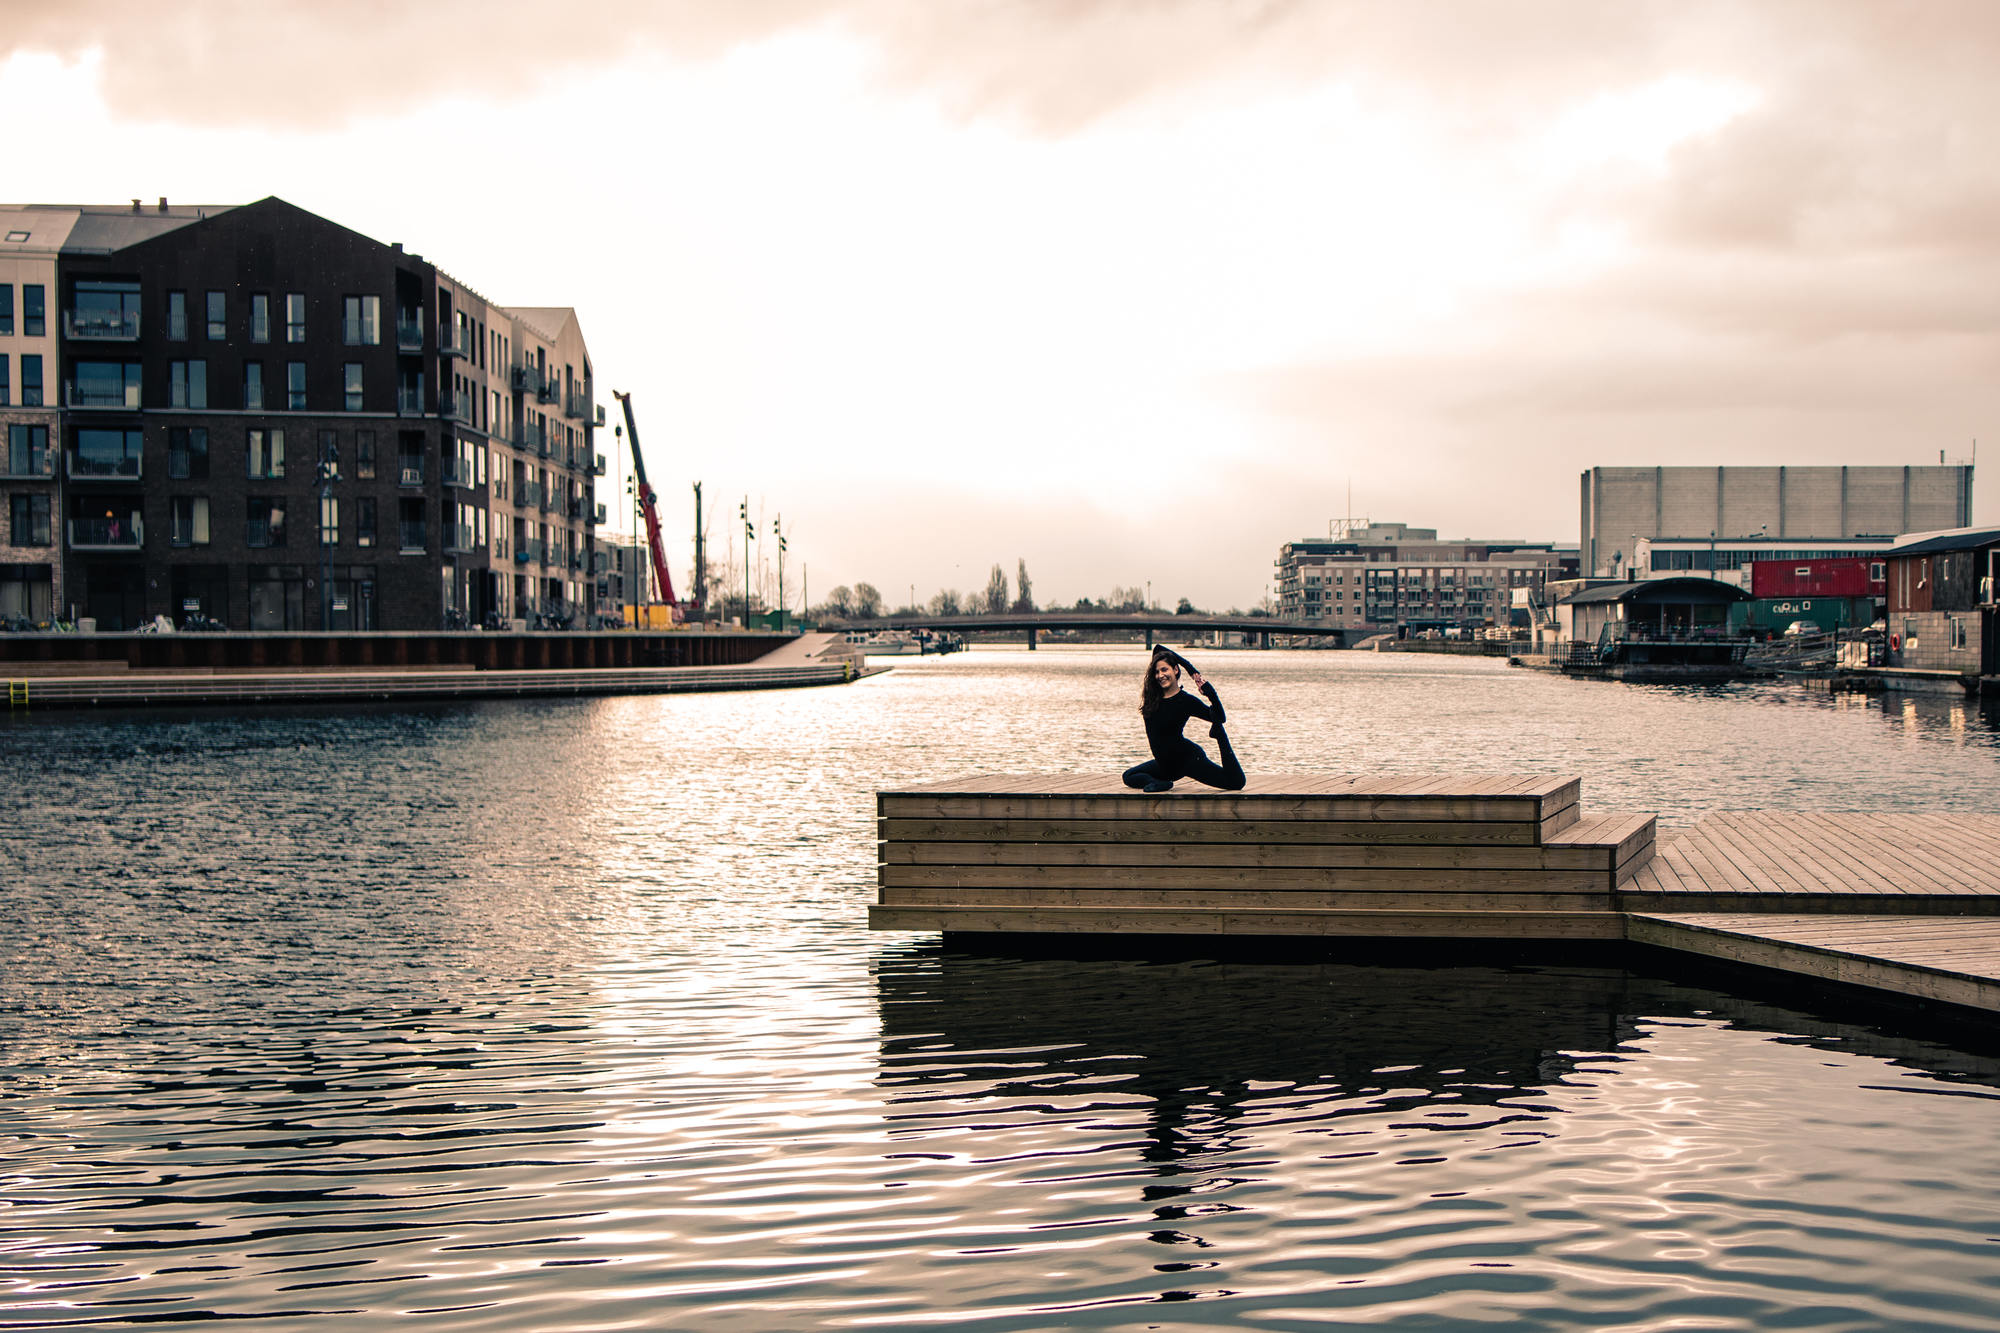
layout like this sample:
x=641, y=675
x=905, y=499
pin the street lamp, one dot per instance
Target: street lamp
x=749, y=535
x=778, y=531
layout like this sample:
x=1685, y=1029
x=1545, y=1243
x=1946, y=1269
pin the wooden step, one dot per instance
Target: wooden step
x=982, y=918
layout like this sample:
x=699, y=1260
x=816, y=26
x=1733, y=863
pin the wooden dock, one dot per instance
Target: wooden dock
x=1892, y=901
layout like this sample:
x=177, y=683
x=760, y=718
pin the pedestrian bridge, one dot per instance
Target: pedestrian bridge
x=1152, y=622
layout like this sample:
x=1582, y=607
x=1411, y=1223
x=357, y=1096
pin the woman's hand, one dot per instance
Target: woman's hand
x=1195, y=676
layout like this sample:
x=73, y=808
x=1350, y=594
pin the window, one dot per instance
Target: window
x=352, y=388
x=103, y=309
x=31, y=380
x=187, y=382
x=218, y=317
x=34, y=310
x=1802, y=572
x=361, y=321
x=295, y=317
x=329, y=520
x=329, y=455
x=364, y=454
x=107, y=453
x=190, y=520
x=253, y=386
x=99, y=384
x=410, y=460
x=264, y=522
x=260, y=317
x=177, y=316
x=28, y=516
x=364, y=521
x=295, y=385
x=266, y=455
x=27, y=451
x=410, y=524
x=6, y=308
x=5, y=391
x=1957, y=637
x=187, y=453
x=1877, y=572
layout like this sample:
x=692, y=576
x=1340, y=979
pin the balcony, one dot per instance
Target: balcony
x=451, y=340
x=262, y=534
x=411, y=537
x=597, y=516
x=524, y=379
x=105, y=466
x=598, y=469
x=92, y=398
x=550, y=502
x=107, y=534
x=454, y=406
x=578, y=508
x=577, y=405
x=599, y=417
x=409, y=402
x=457, y=472
x=101, y=325
x=577, y=562
x=27, y=464
x=409, y=334
x=459, y=540
x=547, y=391
x=410, y=472
x=527, y=435
x=526, y=553
x=528, y=494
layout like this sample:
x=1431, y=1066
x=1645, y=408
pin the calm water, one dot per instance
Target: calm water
x=554, y=1016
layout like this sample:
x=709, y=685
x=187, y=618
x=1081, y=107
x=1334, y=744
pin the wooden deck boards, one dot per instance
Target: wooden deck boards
x=1908, y=903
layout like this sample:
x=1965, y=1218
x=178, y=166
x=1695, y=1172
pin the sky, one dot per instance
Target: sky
x=1130, y=292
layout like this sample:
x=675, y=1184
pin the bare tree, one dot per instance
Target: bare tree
x=995, y=600
x=840, y=602
x=867, y=601
x=945, y=603
x=1024, y=594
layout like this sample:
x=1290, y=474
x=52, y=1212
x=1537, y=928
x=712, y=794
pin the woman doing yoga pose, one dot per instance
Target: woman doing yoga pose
x=1166, y=707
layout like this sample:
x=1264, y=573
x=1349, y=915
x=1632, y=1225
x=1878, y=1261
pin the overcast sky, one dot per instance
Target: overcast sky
x=1130, y=291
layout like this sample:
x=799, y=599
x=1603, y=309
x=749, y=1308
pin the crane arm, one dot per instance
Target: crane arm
x=648, y=502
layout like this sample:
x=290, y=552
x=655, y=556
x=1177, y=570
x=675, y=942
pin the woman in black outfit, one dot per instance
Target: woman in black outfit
x=1166, y=707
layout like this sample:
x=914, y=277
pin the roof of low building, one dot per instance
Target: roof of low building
x=1953, y=539
x=1663, y=588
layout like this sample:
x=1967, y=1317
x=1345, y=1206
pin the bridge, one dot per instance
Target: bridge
x=1152, y=622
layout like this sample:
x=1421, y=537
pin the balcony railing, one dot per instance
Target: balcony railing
x=598, y=515
x=528, y=435
x=598, y=468
x=599, y=417
x=410, y=473
x=578, y=508
x=411, y=535
x=119, y=467
x=28, y=466
x=409, y=335
x=409, y=402
x=451, y=340
x=454, y=406
x=524, y=379
x=101, y=325
x=107, y=534
x=527, y=552
x=528, y=494
x=261, y=533
x=547, y=391
x=120, y=399
x=577, y=405
x=459, y=540
x=458, y=472
x=550, y=501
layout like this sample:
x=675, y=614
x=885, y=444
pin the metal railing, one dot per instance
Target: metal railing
x=409, y=402
x=107, y=534
x=459, y=540
x=528, y=494
x=454, y=406
x=125, y=467
x=120, y=399
x=457, y=472
x=101, y=325
x=577, y=405
x=409, y=335
x=527, y=552
x=26, y=469
x=411, y=535
x=451, y=340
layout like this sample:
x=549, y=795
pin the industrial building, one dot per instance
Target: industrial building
x=1664, y=522
x=267, y=421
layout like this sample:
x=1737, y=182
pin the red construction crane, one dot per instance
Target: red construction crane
x=649, y=504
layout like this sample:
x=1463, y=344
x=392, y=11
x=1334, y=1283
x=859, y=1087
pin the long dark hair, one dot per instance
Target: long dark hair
x=1150, y=693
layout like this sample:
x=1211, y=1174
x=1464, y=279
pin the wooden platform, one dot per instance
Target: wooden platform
x=1467, y=857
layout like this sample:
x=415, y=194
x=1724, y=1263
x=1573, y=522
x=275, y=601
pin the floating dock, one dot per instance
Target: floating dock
x=1893, y=902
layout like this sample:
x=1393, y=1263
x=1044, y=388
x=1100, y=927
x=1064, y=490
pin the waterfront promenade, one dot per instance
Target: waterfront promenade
x=1907, y=904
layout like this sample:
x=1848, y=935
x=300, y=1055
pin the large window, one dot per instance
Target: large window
x=27, y=451
x=410, y=459
x=6, y=309
x=218, y=317
x=364, y=520
x=107, y=453
x=100, y=384
x=187, y=383
x=31, y=380
x=264, y=522
x=103, y=309
x=260, y=317
x=29, y=517
x=364, y=454
x=266, y=455
x=295, y=385
x=361, y=321
x=190, y=520
x=34, y=310
x=187, y=453
x=410, y=524
x=295, y=317
x=329, y=520
x=253, y=386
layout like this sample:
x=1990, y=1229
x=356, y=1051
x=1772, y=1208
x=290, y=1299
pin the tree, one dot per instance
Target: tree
x=867, y=601
x=1127, y=599
x=1024, y=595
x=840, y=602
x=1186, y=608
x=945, y=603
x=996, y=593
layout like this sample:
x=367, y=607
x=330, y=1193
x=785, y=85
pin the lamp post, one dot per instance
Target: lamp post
x=749, y=535
x=777, y=530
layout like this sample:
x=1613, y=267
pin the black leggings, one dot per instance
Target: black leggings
x=1192, y=763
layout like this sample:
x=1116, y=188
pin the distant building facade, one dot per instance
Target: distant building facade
x=275, y=423
x=1388, y=578
x=31, y=585
x=1943, y=590
x=1750, y=513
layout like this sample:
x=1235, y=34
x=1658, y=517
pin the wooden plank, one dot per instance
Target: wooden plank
x=1397, y=900
x=1770, y=945
x=1295, y=831
x=1641, y=899
x=1194, y=802
x=972, y=879
x=1182, y=921
x=1560, y=817
x=1354, y=856
x=1275, y=785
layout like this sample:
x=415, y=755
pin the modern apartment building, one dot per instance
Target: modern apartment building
x=1390, y=578
x=277, y=423
x=30, y=564
x=1742, y=514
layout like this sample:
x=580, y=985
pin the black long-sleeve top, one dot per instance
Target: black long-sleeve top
x=1164, y=723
